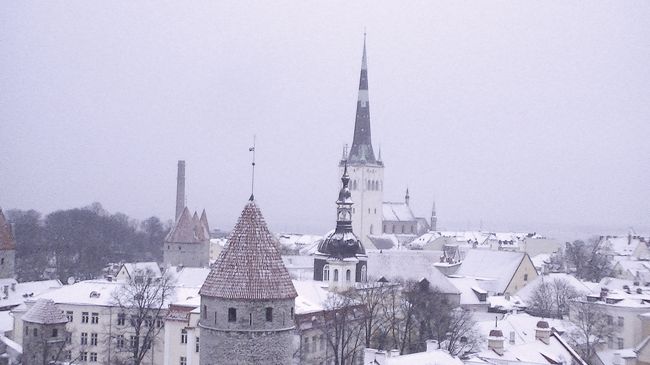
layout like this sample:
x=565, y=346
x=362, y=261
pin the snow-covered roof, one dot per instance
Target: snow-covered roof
x=6, y=322
x=496, y=265
x=622, y=245
x=44, y=311
x=432, y=357
x=607, y=357
x=469, y=289
x=130, y=268
x=384, y=241
x=397, y=212
x=409, y=265
x=312, y=296
x=192, y=277
x=500, y=302
x=526, y=293
x=297, y=241
x=18, y=293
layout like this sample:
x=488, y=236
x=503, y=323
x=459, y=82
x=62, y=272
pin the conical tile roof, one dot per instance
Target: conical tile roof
x=250, y=266
x=44, y=311
x=7, y=241
x=187, y=229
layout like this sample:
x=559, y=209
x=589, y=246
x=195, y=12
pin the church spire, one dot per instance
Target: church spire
x=361, y=150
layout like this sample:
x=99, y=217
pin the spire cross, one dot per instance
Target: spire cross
x=252, y=149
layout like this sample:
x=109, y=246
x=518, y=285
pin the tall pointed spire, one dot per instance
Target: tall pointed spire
x=361, y=150
x=434, y=217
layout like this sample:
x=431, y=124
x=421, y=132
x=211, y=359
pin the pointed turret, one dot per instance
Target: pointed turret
x=407, y=197
x=361, y=150
x=204, y=220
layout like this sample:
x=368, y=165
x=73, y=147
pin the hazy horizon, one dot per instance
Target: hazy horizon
x=513, y=116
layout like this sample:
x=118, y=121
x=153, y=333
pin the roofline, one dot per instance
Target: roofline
x=518, y=266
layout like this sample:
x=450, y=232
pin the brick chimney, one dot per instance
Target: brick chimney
x=495, y=341
x=543, y=332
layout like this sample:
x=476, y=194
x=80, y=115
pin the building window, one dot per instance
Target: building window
x=121, y=319
x=93, y=357
x=93, y=339
x=183, y=335
x=215, y=317
x=348, y=275
x=291, y=312
x=620, y=321
x=120, y=341
x=364, y=274
x=610, y=320
x=371, y=228
x=402, y=229
x=525, y=277
x=83, y=356
x=610, y=342
x=269, y=314
x=326, y=273
x=55, y=332
x=70, y=315
x=133, y=341
x=196, y=345
x=232, y=315
x=205, y=311
x=68, y=338
x=306, y=344
x=84, y=338
x=183, y=360
x=336, y=275
x=84, y=317
x=94, y=319
x=159, y=322
x=620, y=343
x=250, y=319
x=314, y=343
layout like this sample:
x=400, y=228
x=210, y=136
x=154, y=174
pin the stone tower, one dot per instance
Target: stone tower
x=366, y=171
x=180, y=189
x=7, y=249
x=341, y=259
x=434, y=218
x=188, y=242
x=247, y=300
x=44, y=334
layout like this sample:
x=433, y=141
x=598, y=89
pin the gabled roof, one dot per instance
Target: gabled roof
x=188, y=229
x=44, y=311
x=499, y=266
x=250, y=266
x=7, y=241
x=399, y=212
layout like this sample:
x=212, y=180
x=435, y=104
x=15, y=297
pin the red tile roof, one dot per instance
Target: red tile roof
x=250, y=266
x=7, y=241
x=188, y=229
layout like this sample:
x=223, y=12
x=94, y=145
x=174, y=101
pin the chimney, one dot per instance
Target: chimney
x=512, y=337
x=543, y=332
x=372, y=356
x=394, y=353
x=432, y=345
x=180, y=189
x=495, y=341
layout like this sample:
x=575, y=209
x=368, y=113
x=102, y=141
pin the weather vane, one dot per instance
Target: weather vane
x=252, y=149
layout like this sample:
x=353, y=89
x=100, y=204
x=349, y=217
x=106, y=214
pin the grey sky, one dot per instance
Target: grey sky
x=518, y=114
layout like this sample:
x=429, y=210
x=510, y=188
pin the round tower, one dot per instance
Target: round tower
x=247, y=300
x=44, y=333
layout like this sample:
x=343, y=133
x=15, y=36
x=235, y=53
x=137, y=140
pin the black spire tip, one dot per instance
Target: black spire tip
x=251, y=198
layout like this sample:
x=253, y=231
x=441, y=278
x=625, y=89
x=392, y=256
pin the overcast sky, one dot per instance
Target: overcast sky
x=513, y=115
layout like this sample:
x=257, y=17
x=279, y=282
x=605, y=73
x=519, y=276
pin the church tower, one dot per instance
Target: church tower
x=248, y=299
x=365, y=171
x=341, y=259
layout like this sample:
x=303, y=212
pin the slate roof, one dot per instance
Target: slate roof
x=250, y=266
x=398, y=212
x=7, y=241
x=188, y=229
x=44, y=311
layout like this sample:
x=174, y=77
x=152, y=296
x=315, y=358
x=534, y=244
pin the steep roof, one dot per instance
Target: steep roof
x=44, y=311
x=7, y=241
x=399, y=212
x=499, y=266
x=250, y=266
x=188, y=229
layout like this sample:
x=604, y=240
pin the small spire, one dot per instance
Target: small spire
x=379, y=156
x=252, y=149
x=364, y=60
x=407, y=197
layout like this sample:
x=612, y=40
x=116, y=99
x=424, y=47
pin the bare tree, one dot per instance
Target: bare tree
x=141, y=302
x=541, y=300
x=552, y=298
x=591, y=327
x=461, y=334
x=563, y=294
x=371, y=295
x=398, y=318
x=344, y=319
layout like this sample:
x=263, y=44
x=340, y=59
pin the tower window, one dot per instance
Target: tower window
x=326, y=273
x=55, y=332
x=269, y=314
x=183, y=335
x=291, y=312
x=205, y=311
x=348, y=275
x=250, y=319
x=232, y=315
x=364, y=274
x=336, y=275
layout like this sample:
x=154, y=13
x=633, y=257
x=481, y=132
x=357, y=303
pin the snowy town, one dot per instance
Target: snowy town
x=385, y=283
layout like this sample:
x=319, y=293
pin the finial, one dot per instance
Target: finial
x=252, y=149
x=345, y=170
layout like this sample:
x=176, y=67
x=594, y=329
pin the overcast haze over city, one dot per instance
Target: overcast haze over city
x=513, y=115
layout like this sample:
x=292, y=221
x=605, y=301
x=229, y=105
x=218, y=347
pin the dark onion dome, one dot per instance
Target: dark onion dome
x=250, y=266
x=342, y=243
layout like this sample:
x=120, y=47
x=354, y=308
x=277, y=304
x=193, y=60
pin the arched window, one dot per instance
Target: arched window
x=336, y=275
x=368, y=184
x=371, y=229
x=348, y=275
x=326, y=273
x=364, y=274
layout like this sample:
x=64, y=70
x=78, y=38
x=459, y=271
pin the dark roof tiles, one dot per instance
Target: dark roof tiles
x=250, y=266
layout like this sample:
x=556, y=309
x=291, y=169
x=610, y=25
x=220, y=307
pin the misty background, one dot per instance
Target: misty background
x=513, y=115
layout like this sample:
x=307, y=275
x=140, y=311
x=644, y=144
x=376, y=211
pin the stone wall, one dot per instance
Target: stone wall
x=251, y=339
x=187, y=254
x=39, y=344
x=7, y=264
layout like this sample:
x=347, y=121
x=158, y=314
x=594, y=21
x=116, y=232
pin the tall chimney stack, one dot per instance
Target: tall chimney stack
x=180, y=189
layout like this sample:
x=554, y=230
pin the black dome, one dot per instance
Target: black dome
x=341, y=244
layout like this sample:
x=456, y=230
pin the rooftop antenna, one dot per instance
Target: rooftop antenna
x=252, y=149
